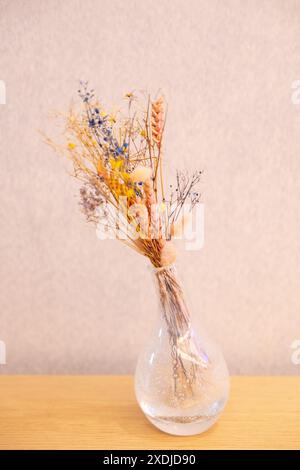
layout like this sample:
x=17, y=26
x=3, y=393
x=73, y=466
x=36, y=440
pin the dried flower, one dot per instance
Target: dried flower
x=119, y=155
x=141, y=174
x=91, y=199
x=168, y=254
x=157, y=120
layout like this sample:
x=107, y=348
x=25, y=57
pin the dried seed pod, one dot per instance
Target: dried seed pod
x=141, y=174
x=168, y=254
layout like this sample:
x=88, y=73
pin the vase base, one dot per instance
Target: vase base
x=183, y=426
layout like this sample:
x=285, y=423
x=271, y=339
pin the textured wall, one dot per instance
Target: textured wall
x=72, y=303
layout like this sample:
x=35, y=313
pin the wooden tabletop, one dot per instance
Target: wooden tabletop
x=100, y=412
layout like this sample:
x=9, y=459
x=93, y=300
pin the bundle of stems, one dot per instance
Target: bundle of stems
x=185, y=358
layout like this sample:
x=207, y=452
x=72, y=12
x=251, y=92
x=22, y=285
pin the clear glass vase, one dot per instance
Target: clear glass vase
x=181, y=378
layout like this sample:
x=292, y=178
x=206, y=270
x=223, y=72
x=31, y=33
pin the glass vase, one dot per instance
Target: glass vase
x=181, y=378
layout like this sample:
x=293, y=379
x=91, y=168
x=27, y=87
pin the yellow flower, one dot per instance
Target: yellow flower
x=71, y=145
x=130, y=193
x=112, y=119
x=125, y=176
x=143, y=133
x=115, y=164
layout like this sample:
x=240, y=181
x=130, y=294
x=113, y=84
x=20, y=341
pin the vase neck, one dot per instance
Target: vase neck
x=171, y=299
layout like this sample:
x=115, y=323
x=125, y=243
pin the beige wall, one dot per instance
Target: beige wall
x=71, y=303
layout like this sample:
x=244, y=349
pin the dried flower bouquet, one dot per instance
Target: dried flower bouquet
x=118, y=158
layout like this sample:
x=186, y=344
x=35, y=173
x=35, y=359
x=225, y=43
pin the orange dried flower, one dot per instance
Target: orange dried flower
x=157, y=120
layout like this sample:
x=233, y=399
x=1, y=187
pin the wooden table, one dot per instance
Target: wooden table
x=100, y=412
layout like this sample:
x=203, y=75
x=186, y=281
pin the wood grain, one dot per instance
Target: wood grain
x=100, y=412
